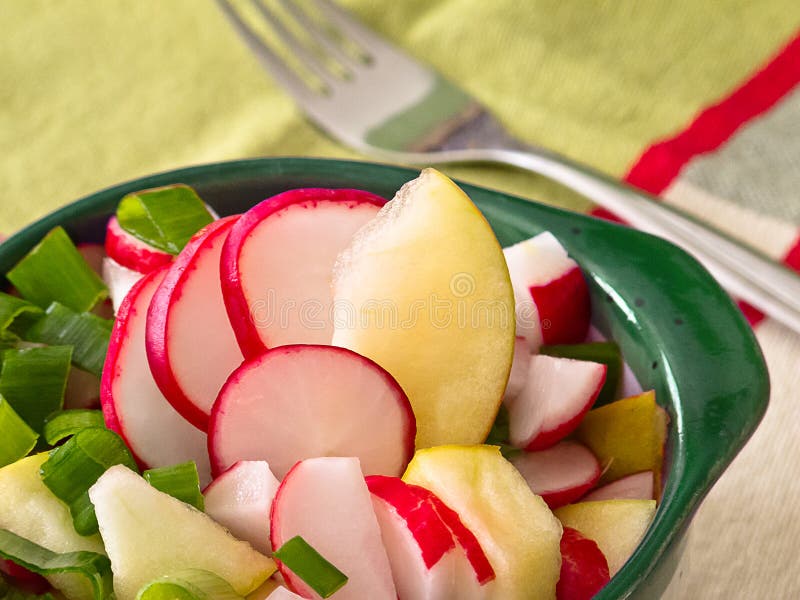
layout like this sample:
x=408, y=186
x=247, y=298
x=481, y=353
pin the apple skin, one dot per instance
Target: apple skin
x=131, y=252
x=163, y=317
x=584, y=568
x=238, y=305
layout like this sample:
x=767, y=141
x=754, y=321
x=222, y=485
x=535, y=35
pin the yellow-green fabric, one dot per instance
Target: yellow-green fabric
x=93, y=92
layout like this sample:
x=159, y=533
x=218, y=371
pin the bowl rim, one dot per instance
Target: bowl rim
x=715, y=404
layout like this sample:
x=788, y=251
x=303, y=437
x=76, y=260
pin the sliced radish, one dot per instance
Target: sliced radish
x=432, y=553
x=519, y=370
x=584, y=568
x=132, y=404
x=277, y=265
x=131, y=252
x=559, y=391
x=326, y=501
x=241, y=498
x=302, y=401
x=191, y=347
x=561, y=474
x=639, y=486
x=552, y=298
x=281, y=593
x=119, y=281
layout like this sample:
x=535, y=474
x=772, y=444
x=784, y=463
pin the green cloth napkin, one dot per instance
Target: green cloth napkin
x=93, y=92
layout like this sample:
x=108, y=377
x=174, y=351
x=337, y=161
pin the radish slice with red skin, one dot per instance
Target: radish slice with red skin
x=132, y=404
x=191, y=347
x=432, y=553
x=241, y=498
x=277, y=265
x=119, y=281
x=553, y=305
x=559, y=391
x=561, y=474
x=639, y=486
x=131, y=252
x=326, y=501
x=282, y=593
x=584, y=568
x=303, y=401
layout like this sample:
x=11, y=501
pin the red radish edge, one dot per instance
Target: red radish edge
x=28, y=581
x=568, y=290
x=547, y=438
x=217, y=467
x=390, y=489
x=114, y=347
x=584, y=568
x=235, y=301
x=158, y=317
x=131, y=252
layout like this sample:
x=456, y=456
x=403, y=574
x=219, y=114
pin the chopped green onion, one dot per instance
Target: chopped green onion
x=16, y=311
x=180, y=481
x=33, y=381
x=18, y=438
x=61, y=425
x=7, y=340
x=310, y=566
x=73, y=468
x=499, y=434
x=607, y=353
x=54, y=271
x=189, y=584
x=166, y=217
x=88, y=335
x=15, y=594
x=96, y=568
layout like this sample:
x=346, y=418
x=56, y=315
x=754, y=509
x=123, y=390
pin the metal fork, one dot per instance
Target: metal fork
x=383, y=103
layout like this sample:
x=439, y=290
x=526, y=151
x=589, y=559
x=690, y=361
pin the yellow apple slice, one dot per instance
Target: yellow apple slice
x=627, y=435
x=616, y=526
x=149, y=534
x=517, y=531
x=29, y=509
x=424, y=291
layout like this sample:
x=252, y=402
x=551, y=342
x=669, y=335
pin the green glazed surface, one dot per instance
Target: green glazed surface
x=677, y=328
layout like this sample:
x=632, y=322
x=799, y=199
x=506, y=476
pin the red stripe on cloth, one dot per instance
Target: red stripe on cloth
x=662, y=162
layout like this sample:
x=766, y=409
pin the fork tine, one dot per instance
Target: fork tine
x=271, y=61
x=307, y=58
x=317, y=34
x=348, y=25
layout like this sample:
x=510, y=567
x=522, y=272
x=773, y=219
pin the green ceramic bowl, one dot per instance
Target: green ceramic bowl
x=678, y=329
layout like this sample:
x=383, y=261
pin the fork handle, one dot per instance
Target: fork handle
x=744, y=272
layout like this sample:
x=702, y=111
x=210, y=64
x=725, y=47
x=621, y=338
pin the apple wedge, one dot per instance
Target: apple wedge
x=519, y=370
x=617, y=526
x=627, y=435
x=638, y=486
x=241, y=498
x=132, y=404
x=131, y=252
x=515, y=528
x=427, y=296
x=584, y=568
x=149, y=534
x=191, y=348
x=326, y=501
x=29, y=509
x=561, y=474
x=303, y=401
x=552, y=299
x=277, y=263
x=432, y=553
x=556, y=396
